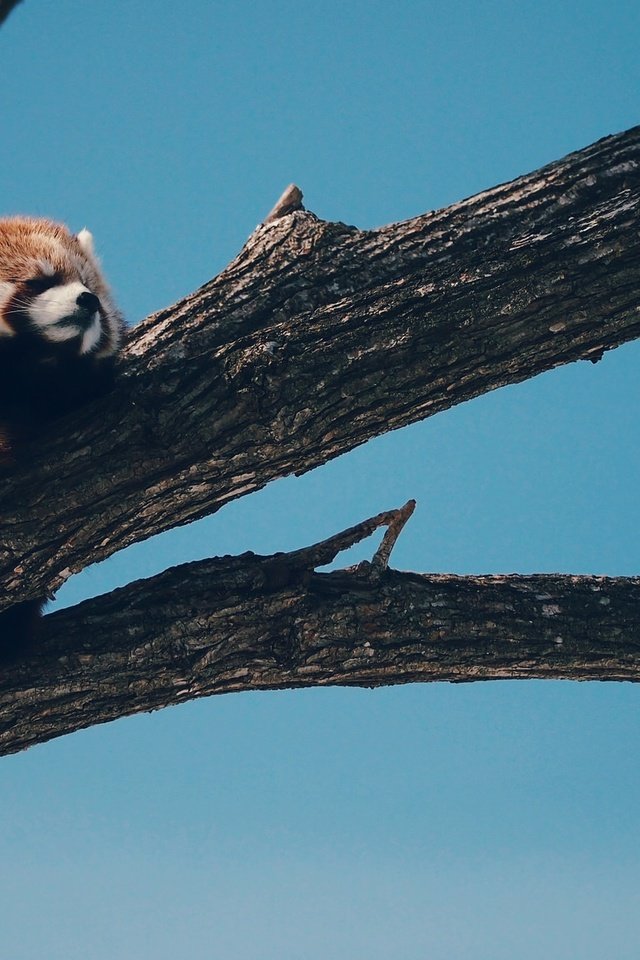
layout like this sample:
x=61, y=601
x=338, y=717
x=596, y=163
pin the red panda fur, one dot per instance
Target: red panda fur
x=59, y=334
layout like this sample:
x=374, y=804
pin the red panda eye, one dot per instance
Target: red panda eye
x=42, y=282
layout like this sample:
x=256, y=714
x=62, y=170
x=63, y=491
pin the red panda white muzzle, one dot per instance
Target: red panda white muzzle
x=59, y=334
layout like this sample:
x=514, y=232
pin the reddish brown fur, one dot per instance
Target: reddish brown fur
x=40, y=380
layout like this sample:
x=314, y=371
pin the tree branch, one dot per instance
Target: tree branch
x=263, y=623
x=320, y=336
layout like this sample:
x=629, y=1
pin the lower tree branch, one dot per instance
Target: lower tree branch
x=264, y=623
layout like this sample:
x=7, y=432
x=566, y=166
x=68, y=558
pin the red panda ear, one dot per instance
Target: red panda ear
x=85, y=239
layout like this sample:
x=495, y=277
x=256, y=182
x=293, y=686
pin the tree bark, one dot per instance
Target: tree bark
x=264, y=623
x=320, y=336
x=316, y=338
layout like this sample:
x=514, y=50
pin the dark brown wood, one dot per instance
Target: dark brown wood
x=264, y=623
x=320, y=336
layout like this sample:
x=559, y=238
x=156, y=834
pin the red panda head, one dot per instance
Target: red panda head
x=52, y=292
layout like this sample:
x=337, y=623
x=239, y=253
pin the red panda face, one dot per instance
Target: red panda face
x=47, y=307
x=52, y=292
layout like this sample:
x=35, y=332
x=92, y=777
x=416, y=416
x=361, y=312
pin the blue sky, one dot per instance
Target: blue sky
x=473, y=822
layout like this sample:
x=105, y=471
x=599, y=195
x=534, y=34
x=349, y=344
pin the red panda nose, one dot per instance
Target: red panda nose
x=88, y=301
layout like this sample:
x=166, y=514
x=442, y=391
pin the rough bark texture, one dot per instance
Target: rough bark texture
x=263, y=623
x=320, y=336
x=316, y=338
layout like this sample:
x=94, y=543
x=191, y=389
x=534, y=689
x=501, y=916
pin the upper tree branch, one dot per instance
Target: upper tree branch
x=256, y=623
x=320, y=336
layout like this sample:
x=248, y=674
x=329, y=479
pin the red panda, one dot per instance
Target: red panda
x=59, y=334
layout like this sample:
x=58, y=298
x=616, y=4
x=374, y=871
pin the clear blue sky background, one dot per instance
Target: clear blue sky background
x=477, y=822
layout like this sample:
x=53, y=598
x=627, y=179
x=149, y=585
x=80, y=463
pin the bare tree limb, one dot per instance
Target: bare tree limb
x=320, y=336
x=263, y=623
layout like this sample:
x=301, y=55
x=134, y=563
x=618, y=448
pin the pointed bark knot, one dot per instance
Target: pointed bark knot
x=290, y=200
